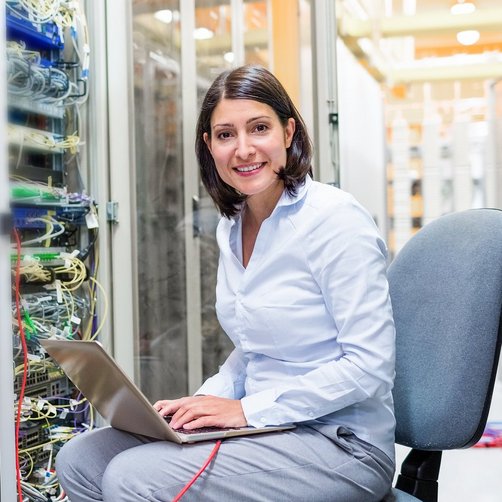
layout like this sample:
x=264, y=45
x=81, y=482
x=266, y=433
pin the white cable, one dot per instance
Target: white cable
x=48, y=235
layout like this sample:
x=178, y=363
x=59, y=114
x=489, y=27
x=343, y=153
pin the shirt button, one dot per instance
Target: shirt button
x=263, y=420
x=311, y=414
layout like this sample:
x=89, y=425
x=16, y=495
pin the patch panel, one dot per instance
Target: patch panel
x=44, y=36
x=60, y=387
x=40, y=457
x=30, y=106
x=27, y=216
x=46, y=260
x=34, y=139
x=38, y=381
x=32, y=434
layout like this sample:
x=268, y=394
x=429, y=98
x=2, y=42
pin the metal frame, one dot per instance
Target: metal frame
x=98, y=156
x=123, y=250
x=493, y=168
x=326, y=165
x=8, y=490
x=191, y=189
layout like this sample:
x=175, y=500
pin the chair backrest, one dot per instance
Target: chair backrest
x=446, y=291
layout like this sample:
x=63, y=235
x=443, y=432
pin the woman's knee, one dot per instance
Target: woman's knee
x=70, y=456
x=83, y=457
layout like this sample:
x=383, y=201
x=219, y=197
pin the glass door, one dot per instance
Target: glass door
x=178, y=48
x=159, y=193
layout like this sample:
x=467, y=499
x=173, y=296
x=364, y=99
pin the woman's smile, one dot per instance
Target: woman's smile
x=250, y=169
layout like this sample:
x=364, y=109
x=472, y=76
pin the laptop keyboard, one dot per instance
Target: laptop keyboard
x=202, y=429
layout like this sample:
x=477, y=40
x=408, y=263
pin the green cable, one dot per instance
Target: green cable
x=30, y=327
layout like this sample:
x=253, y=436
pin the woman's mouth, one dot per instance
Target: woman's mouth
x=249, y=168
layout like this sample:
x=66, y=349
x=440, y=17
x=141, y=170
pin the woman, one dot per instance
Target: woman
x=303, y=295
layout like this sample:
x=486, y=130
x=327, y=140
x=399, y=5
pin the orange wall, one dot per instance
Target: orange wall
x=286, y=45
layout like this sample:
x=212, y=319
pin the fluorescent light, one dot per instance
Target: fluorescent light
x=202, y=34
x=165, y=15
x=462, y=8
x=229, y=57
x=468, y=37
x=409, y=7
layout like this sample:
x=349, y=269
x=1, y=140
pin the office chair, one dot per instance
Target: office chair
x=446, y=291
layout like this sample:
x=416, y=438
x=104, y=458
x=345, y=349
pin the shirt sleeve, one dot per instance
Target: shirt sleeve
x=348, y=260
x=229, y=381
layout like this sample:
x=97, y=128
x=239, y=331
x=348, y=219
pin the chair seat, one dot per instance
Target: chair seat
x=403, y=496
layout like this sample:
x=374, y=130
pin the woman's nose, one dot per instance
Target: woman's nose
x=245, y=148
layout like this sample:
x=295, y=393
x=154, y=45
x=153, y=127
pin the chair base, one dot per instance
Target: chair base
x=419, y=475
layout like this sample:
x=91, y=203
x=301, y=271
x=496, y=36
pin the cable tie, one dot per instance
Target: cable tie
x=41, y=403
x=75, y=320
x=59, y=292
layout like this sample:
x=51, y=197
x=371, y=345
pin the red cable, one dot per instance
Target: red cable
x=25, y=361
x=201, y=470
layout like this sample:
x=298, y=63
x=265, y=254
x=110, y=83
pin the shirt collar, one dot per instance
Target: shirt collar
x=287, y=200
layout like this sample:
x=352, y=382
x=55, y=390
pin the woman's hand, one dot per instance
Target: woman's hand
x=202, y=411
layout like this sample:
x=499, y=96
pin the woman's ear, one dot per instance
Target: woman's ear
x=207, y=141
x=289, y=131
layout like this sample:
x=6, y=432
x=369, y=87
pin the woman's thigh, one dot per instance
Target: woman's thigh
x=296, y=465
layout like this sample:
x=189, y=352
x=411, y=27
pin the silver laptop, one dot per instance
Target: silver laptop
x=119, y=401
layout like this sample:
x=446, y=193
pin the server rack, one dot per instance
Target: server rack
x=54, y=235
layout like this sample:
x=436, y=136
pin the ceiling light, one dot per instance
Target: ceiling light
x=229, y=57
x=409, y=7
x=468, y=37
x=165, y=15
x=203, y=34
x=462, y=7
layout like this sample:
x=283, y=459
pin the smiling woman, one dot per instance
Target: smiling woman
x=302, y=294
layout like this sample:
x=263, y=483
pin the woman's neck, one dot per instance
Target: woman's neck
x=255, y=211
x=259, y=207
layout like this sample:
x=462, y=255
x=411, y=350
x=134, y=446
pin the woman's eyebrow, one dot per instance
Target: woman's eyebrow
x=229, y=124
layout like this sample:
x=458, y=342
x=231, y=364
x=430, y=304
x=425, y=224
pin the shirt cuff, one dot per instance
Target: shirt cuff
x=259, y=408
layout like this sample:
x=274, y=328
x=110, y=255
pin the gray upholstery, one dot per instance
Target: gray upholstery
x=446, y=291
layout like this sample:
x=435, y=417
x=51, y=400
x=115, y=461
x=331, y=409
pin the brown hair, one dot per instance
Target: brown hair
x=258, y=84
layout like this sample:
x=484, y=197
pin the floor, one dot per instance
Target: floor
x=472, y=475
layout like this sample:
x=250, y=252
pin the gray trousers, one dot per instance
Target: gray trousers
x=293, y=466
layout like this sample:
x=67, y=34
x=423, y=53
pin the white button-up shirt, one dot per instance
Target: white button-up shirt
x=310, y=317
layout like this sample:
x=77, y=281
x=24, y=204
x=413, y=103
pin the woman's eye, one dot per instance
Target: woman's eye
x=261, y=128
x=224, y=135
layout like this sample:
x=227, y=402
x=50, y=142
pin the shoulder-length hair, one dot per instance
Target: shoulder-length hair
x=255, y=83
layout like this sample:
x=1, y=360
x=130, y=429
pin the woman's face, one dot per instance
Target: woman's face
x=248, y=144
